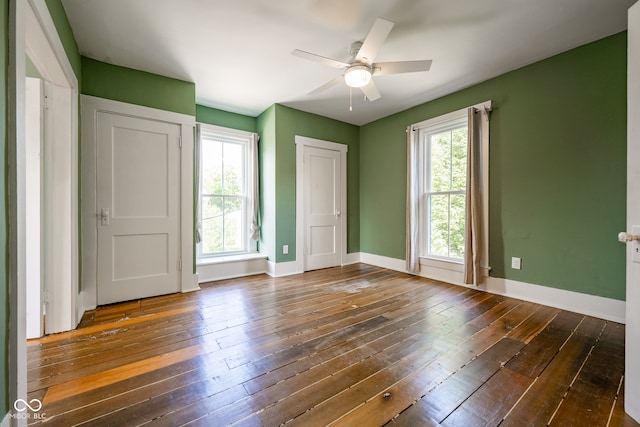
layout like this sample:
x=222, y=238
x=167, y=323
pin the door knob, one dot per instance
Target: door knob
x=625, y=237
x=104, y=217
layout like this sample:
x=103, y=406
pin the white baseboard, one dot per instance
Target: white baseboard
x=193, y=286
x=280, y=269
x=591, y=305
x=383, y=261
x=352, y=258
x=290, y=268
x=80, y=307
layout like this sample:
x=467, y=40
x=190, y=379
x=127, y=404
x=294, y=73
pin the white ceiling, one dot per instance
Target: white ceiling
x=238, y=52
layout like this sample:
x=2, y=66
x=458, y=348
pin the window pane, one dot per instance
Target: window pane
x=233, y=224
x=233, y=169
x=211, y=155
x=440, y=165
x=459, y=159
x=224, y=199
x=212, y=224
x=457, y=222
x=439, y=227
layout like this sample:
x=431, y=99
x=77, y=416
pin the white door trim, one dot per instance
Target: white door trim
x=60, y=172
x=90, y=107
x=31, y=30
x=302, y=142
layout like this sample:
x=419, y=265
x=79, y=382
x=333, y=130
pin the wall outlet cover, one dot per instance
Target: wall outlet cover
x=516, y=263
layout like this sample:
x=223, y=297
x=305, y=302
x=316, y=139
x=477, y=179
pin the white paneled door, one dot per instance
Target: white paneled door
x=632, y=341
x=322, y=200
x=138, y=207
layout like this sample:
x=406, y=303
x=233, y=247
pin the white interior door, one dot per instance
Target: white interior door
x=632, y=341
x=322, y=208
x=138, y=207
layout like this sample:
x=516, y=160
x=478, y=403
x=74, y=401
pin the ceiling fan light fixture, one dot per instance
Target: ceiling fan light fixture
x=357, y=76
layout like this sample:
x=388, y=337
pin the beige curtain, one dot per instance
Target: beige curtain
x=254, y=226
x=473, y=226
x=412, y=255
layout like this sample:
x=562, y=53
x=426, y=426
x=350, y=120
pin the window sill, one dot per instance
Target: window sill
x=230, y=259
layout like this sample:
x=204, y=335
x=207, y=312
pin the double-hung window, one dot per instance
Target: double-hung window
x=226, y=196
x=448, y=193
x=443, y=189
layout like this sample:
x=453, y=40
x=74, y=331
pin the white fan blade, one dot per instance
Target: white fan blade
x=377, y=35
x=327, y=85
x=371, y=91
x=385, y=68
x=321, y=59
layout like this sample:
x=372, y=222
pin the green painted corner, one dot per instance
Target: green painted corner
x=266, y=128
x=289, y=123
x=137, y=87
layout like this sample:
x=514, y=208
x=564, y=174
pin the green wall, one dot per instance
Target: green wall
x=4, y=273
x=137, y=87
x=213, y=116
x=59, y=17
x=279, y=159
x=557, y=170
x=266, y=127
x=30, y=69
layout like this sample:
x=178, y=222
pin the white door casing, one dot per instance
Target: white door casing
x=321, y=170
x=34, y=95
x=632, y=339
x=91, y=107
x=34, y=33
x=138, y=195
x=60, y=209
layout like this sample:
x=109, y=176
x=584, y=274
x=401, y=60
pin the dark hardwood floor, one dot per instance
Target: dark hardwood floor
x=351, y=346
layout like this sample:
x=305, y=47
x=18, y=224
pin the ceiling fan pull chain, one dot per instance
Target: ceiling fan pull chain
x=350, y=98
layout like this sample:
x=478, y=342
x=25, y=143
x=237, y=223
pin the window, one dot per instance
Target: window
x=446, y=192
x=226, y=191
x=444, y=151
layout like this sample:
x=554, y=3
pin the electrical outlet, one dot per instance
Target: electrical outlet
x=285, y=249
x=516, y=263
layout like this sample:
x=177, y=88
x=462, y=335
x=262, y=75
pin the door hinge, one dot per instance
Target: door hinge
x=180, y=141
x=45, y=296
x=45, y=102
x=180, y=264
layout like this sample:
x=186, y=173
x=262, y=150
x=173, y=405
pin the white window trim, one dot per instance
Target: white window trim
x=424, y=151
x=234, y=136
x=443, y=121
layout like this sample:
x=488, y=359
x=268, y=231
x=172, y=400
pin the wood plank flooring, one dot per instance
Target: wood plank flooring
x=349, y=346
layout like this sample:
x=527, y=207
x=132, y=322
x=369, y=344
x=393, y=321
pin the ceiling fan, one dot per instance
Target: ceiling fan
x=359, y=70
